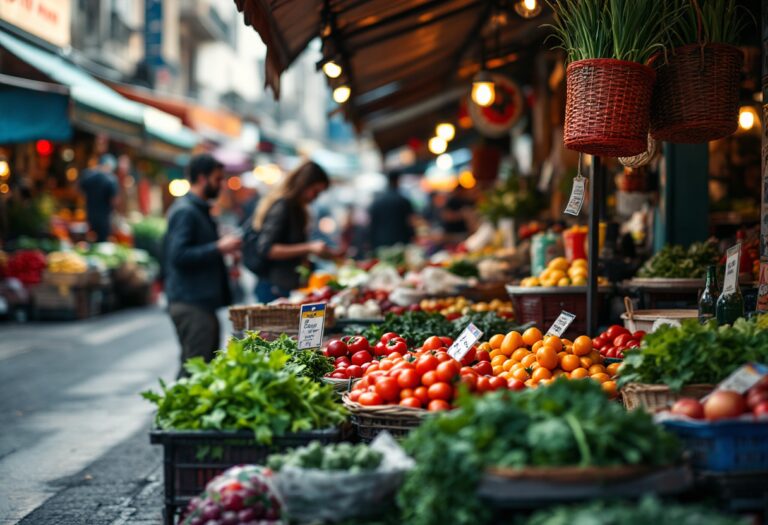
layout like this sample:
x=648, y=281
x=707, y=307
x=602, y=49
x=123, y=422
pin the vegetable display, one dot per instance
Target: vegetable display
x=341, y=456
x=616, y=340
x=242, y=389
x=568, y=423
x=675, y=262
x=694, y=353
x=455, y=307
x=305, y=363
x=25, y=265
x=726, y=404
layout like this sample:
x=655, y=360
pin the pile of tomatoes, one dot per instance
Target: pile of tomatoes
x=353, y=355
x=616, y=340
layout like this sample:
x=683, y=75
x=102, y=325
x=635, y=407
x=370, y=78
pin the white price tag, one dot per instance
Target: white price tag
x=732, y=269
x=577, y=196
x=561, y=324
x=744, y=378
x=465, y=342
x=311, y=325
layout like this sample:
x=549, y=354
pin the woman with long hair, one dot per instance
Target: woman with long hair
x=281, y=219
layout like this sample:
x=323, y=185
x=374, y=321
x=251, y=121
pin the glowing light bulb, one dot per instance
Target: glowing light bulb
x=445, y=131
x=528, y=8
x=483, y=93
x=437, y=145
x=341, y=94
x=444, y=162
x=332, y=69
x=746, y=118
x=178, y=187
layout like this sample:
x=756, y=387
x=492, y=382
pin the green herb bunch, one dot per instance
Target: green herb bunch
x=675, y=262
x=341, y=456
x=709, y=21
x=632, y=30
x=567, y=423
x=304, y=363
x=242, y=389
x=694, y=353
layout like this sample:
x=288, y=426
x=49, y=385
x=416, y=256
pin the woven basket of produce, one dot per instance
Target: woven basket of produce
x=340, y=385
x=656, y=397
x=370, y=420
x=277, y=318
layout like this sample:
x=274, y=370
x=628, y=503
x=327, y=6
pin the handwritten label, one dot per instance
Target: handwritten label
x=577, y=196
x=465, y=342
x=744, y=378
x=561, y=324
x=311, y=325
x=732, y=269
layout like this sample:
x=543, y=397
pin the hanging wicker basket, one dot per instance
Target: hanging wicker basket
x=696, y=98
x=607, y=109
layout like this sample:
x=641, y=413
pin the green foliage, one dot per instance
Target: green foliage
x=694, y=353
x=648, y=510
x=722, y=21
x=341, y=456
x=510, y=199
x=463, y=268
x=675, y=262
x=242, y=389
x=488, y=322
x=564, y=424
x=304, y=363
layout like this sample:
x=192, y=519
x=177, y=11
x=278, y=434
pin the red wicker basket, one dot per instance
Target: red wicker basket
x=607, y=108
x=696, y=98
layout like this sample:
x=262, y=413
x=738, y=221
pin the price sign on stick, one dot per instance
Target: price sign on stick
x=311, y=325
x=561, y=324
x=465, y=342
x=732, y=269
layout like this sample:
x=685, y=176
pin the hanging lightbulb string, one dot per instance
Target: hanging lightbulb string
x=334, y=67
x=483, y=90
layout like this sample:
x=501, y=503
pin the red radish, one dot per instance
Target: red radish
x=688, y=406
x=724, y=404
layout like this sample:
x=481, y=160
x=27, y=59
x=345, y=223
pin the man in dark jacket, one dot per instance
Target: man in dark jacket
x=100, y=188
x=391, y=216
x=196, y=281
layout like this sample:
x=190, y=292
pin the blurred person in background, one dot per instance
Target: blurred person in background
x=196, y=279
x=282, y=224
x=100, y=187
x=391, y=216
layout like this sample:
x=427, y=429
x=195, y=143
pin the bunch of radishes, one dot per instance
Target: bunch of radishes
x=726, y=404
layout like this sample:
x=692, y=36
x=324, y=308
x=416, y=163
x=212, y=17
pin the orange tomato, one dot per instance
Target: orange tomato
x=521, y=375
x=582, y=346
x=497, y=370
x=484, y=347
x=613, y=369
x=554, y=342
x=585, y=362
x=528, y=360
x=557, y=373
x=498, y=360
x=547, y=357
x=541, y=373
x=531, y=335
x=530, y=383
x=595, y=356
x=579, y=373
x=496, y=340
x=536, y=346
x=569, y=363
x=512, y=341
x=519, y=354
x=600, y=378
x=535, y=365
x=496, y=353
x=508, y=364
x=505, y=375
x=596, y=369
x=567, y=342
x=609, y=387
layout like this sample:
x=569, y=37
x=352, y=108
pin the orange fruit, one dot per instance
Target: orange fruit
x=511, y=342
x=530, y=383
x=516, y=366
x=585, y=362
x=495, y=353
x=531, y=335
x=567, y=342
x=521, y=375
x=545, y=381
x=609, y=387
x=612, y=369
x=496, y=341
x=528, y=360
x=535, y=365
x=505, y=375
x=541, y=373
x=497, y=370
x=547, y=357
x=536, y=346
x=560, y=355
x=596, y=369
x=498, y=360
x=600, y=378
x=508, y=364
x=520, y=353
x=579, y=373
x=569, y=363
x=568, y=349
x=554, y=342
x=582, y=345
x=595, y=356
x=557, y=373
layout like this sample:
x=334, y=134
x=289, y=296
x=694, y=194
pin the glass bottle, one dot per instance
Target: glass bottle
x=708, y=299
x=730, y=305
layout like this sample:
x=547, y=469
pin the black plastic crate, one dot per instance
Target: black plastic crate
x=192, y=458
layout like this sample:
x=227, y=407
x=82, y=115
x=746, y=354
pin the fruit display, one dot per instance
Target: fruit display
x=25, y=265
x=455, y=307
x=66, y=262
x=341, y=456
x=242, y=494
x=616, y=340
x=560, y=272
x=531, y=359
x=675, y=262
x=352, y=355
x=694, y=353
x=726, y=404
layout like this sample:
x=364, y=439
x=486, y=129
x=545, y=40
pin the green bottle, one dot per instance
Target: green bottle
x=708, y=299
x=730, y=305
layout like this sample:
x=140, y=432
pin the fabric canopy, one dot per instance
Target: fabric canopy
x=30, y=115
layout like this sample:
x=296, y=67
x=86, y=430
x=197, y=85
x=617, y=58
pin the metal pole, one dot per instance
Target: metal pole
x=595, y=200
x=762, y=300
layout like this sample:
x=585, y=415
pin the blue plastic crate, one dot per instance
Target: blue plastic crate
x=724, y=446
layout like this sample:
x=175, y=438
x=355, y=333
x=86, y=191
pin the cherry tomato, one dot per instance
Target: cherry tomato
x=633, y=343
x=340, y=374
x=411, y=402
x=483, y=368
x=386, y=364
x=443, y=356
x=638, y=334
x=394, y=356
x=354, y=371
x=470, y=380
x=340, y=360
x=611, y=353
x=355, y=395
x=369, y=399
x=366, y=366
x=615, y=331
x=426, y=363
x=408, y=379
x=389, y=335
x=430, y=378
x=358, y=358
x=515, y=384
x=467, y=370
x=406, y=392
x=598, y=342
x=483, y=355
x=397, y=346
x=469, y=357
x=440, y=390
x=380, y=349
x=375, y=376
x=497, y=382
x=448, y=370
x=357, y=343
x=432, y=343
x=422, y=394
x=387, y=388
x=483, y=384
x=337, y=348
x=622, y=339
x=447, y=341
x=438, y=404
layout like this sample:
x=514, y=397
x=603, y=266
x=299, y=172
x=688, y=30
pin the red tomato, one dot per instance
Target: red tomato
x=598, y=342
x=375, y=376
x=354, y=371
x=355, y=395
x=440, y=390
x=470, y=380
x=394, y=356
x=447, y=341
x=430, y=378
x=633, y=343
x=380, y=349
x=387, y=388
x=366, y=366
x=386, y=337
x=358, y=358
x=373, y=366
x=611, y=352
x=408, y=379
x=615, y=331
x=406, y=392
x=326, y=354
x=411, y=402
x=357, y=343
x=497, y=383
x=386, y=364
x=438, y=404
x=483, y=355
x=432, y=343
x=448, y=370
x=483, y=368
x=467, y=370
x=363, y=383
x=443, y=356
x=483, y=384
x=369, y=399
x=422, y=394
x=761, y=409
x=397, y=345
x=426, y=363
x=340, y=360
x=337, y=348
x=515, y=384
x=340, y=374
x=622, y=339
x=638, y=334
x=469, y=357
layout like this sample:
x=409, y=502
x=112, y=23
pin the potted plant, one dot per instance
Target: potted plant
x=696, y=98
x=608, y=82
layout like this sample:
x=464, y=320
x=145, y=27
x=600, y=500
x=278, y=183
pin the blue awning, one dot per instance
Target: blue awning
x=30, y=115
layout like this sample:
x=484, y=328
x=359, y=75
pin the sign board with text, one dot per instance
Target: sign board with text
x=465, y=342
x=311, y=325
x=561, y=324
x=45, y=19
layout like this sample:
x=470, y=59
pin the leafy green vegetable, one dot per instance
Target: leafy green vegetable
x=341, y=456
x=565, y=423
x=648, y=510
x=305, y=363
x=675, y=262
x=463, y=268
x=510, y=199
x=694, y=353
x=721, y=21
x=242, y=389
x=488, y=322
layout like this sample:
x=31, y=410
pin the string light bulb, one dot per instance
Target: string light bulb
x=341, y=94
x=445, y=131
x=178, y=187
x=483, y=89
x=528, y=8
x=437, y=145
x=332, y=69
x=746, y=118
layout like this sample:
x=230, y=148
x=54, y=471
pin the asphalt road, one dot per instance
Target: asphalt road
x=73, y=441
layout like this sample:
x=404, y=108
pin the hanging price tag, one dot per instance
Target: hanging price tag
x=577, y=193
x=465, y=342
x=311, y=325
x=561, y=324
x=732, y=269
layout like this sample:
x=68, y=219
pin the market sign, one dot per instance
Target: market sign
x=46, y=19
x=498, y=118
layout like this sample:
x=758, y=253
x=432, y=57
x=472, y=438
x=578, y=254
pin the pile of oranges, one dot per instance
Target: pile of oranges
x=533, y=359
